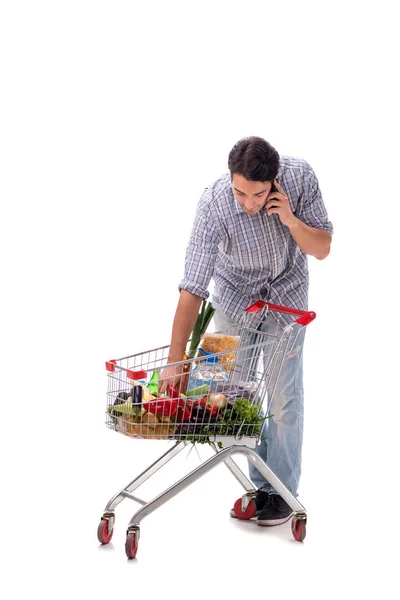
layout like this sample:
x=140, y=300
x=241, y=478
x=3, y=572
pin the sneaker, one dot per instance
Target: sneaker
x=261, y=498
x=275, y=512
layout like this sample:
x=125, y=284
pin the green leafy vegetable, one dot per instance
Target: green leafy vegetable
x=200, y=327
x=243, y=419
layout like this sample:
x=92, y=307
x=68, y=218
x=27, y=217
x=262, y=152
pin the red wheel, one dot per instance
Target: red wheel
x=131, y=544
x=248, y=513
x=103, y=535
x=299, y=529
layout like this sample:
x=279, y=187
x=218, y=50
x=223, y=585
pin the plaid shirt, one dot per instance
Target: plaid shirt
x=253, y=257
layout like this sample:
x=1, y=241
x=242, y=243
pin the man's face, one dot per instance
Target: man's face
x=251, y=195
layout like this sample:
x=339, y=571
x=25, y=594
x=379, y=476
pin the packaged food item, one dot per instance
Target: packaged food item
x=207, y=372
x=148, y=426
x=218, y=342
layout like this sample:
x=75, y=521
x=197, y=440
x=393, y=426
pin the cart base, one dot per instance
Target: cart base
x=299, y=517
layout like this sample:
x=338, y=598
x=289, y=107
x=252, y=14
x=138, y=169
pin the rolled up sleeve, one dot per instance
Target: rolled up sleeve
x=201, y=253
x=312, y=209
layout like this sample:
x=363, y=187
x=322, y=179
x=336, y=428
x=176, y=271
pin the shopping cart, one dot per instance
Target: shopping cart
x=229, y=413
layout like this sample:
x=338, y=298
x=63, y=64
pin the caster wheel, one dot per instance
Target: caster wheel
x=248, y=513
x=299, y=529
x=131, y=544
x=103, y=535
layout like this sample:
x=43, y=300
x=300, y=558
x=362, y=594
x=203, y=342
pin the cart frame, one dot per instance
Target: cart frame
x=225, y=447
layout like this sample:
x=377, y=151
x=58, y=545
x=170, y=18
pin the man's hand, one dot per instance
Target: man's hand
x=310, y=240
x=278, y=203
x=170, y=376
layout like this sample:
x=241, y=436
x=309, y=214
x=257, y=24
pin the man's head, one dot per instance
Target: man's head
x=253, y=164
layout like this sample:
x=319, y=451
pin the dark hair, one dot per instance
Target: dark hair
x=254, y=158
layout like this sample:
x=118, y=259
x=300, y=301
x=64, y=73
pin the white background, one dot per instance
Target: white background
x=114, y=117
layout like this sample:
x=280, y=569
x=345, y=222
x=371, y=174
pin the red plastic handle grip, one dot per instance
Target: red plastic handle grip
x=306, y=316
x=135, y=375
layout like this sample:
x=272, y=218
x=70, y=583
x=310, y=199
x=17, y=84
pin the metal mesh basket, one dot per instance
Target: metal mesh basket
x=232, y=395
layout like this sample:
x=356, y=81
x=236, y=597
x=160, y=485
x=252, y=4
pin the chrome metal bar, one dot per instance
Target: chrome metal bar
x=239, y=475
x=160, y=462
x=236, y=471
x=203, y=469
x=134, y=498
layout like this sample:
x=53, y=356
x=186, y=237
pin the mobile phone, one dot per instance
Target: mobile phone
x=273, y=189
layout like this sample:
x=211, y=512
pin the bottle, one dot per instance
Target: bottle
x=152, y=386
x=208, y=372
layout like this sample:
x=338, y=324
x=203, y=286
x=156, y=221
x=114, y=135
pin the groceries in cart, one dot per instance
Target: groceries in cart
x=208, y=372
x=216, y=343
x=224, y=381
x=215, y=408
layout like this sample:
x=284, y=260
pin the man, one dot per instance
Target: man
x=253, y=230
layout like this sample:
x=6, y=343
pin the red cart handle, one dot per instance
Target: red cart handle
x=134, y=375
x=306, y=316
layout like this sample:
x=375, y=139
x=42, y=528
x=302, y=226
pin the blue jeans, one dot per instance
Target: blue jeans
x=283, y=432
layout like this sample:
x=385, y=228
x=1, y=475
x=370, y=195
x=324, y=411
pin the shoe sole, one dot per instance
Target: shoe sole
x=272, y=522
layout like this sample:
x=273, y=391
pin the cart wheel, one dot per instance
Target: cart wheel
x=131, y=544
x=103, y=535
x=248, y=513
x=299, y=529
